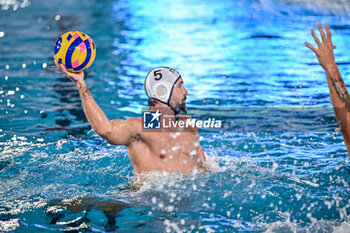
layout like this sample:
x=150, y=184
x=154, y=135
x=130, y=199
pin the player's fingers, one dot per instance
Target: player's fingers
x=315, y=38
x=57, y=65
x=61, y=67
x=323, y=36
x=64, y=70
x=311, y=47
x=55, y=62
x=329, y=36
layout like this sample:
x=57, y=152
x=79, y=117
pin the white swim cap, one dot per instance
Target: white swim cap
x=160, y=82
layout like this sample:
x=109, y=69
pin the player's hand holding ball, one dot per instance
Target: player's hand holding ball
x=74, y=52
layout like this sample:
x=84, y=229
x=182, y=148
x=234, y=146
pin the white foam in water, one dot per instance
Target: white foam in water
x=147, y=180
x=343, y=228
x=9, y=225
x=211, y=163
x=295, y=179
x=318, y=226
x=167, y=192
x=14, y=3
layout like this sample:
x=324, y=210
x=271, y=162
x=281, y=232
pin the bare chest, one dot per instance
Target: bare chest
x=173, y=144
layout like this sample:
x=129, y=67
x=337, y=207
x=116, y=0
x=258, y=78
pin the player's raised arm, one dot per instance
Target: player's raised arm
x=339, y=95
x=117, y=132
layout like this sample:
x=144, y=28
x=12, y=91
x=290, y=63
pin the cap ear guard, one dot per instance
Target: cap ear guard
x=159, y=83
x=161, y=90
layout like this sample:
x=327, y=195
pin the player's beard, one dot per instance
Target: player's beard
x=181, y=108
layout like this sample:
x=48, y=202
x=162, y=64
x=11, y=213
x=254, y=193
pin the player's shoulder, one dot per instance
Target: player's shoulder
x=132, y=121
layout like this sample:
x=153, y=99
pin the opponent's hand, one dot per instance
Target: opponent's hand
x=324, y=52
x=76, y=77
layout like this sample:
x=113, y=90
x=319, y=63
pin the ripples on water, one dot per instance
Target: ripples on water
x=58, y=175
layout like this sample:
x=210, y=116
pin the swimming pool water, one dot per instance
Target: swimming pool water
x=246, y=57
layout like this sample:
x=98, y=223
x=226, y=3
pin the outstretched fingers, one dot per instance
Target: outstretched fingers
x=311, y=47
x=323, y=36
x=329, y=36
x=315, y=38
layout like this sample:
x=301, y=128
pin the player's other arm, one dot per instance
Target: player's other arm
x=117, y=132
x=339, y=95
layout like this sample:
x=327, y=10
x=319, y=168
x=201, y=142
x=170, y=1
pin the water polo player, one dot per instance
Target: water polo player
x=174, y=150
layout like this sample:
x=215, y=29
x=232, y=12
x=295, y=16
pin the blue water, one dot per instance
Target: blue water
x=57, y=175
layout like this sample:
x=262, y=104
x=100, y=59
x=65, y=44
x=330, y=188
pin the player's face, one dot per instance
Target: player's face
x=178, y=97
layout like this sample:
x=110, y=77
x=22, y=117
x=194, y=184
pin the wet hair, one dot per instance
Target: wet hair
x=152, y=102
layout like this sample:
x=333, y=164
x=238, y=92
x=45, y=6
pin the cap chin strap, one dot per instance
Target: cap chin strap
x=168, y=104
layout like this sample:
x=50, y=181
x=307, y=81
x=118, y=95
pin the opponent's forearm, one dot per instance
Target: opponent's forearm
x=339, y=94
x=93, y=112
x=340, y=100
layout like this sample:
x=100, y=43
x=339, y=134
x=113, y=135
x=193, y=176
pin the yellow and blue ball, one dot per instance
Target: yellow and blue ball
x=75, y=50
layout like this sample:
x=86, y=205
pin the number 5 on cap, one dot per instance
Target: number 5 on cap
x=157, y=73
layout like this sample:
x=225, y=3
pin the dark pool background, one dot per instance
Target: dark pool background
x=232, y=54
